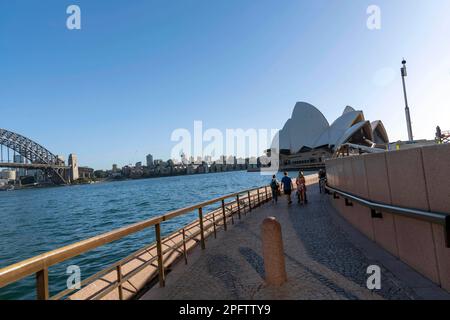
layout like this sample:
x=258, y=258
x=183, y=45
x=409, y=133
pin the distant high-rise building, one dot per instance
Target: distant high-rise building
x=114, y=168
x=138, y=164
x=231, y=160
x=8, y=174
x=19, y=159
x=149, y=160
x=73, y=164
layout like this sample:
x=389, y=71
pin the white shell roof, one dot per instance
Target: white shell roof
x=379, y=132
x=305, y=119
x=307, y=127
x=348, y=109
x=338, y=128
x=285, y=142
x=365, y=125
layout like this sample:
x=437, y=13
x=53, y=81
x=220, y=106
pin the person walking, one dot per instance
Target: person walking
x=275, y=186
x=301, y=188
x=322, y=180
x=287, y=186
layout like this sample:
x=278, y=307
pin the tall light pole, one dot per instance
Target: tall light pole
x=408, y=117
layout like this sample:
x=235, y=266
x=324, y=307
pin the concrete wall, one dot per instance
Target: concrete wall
x=415, y=178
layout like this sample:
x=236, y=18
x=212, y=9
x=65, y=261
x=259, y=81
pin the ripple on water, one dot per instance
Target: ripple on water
x=112, y=210
x=143, y=204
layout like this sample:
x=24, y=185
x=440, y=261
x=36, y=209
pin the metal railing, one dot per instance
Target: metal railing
x=377, y=210
x=176, y=246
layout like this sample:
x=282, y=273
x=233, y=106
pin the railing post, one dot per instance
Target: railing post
x=267, y=195
x=259, y=200
x=160, y=255
x=184, y=247
x=119, y=281
x=239, y=206
x=232, y=215
x=447, y=231
x=202, y=235
x=224, y=215
x=249, y=202
x=214, y=226
x=42, y=291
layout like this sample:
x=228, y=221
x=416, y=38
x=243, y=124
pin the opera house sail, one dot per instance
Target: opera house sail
x=307, y=139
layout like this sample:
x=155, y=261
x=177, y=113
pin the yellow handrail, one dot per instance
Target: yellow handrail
x=39, y=264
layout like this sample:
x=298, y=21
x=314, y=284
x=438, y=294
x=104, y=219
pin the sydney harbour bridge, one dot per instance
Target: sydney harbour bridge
x=34, y=156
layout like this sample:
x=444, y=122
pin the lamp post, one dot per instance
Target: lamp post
x=408, y=116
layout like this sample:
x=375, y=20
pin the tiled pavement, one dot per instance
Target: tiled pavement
x=326, y=258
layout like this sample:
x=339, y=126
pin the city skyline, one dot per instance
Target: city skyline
x=223, y=159
x=113, y=98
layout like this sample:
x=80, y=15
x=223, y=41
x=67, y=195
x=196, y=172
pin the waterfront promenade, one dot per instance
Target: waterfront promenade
x=326, y=258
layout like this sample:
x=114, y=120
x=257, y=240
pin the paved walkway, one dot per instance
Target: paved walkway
x=326, y=258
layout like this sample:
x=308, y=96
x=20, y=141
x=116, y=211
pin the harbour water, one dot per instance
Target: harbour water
x=39, y=220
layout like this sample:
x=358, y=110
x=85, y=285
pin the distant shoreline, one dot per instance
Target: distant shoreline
x=108, y=180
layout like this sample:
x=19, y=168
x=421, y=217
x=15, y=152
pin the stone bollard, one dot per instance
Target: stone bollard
x=273, y=253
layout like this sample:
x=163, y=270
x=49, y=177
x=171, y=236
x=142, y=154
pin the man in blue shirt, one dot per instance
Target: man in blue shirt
x=287, y=185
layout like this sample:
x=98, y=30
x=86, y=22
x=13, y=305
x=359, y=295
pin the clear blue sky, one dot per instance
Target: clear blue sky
x=116, y=89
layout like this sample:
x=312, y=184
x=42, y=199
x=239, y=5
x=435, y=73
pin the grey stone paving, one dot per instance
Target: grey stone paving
x=325, y=259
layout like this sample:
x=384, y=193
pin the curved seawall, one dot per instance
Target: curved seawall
x=415, y=179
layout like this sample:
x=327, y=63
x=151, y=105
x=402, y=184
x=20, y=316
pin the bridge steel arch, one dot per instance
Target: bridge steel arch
x=32, y=151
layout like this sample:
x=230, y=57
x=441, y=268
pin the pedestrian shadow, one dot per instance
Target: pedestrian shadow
x=254, y=259
x=329, y=245
x=226, y=270
x=257, y=263
x=330, y=284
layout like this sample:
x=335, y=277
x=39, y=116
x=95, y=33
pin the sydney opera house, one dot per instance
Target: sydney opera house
x=307, y=139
